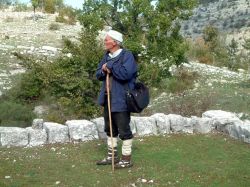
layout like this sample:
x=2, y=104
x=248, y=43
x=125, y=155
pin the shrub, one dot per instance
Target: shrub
x=71, y=81
x=181, y=81
x=15, y=114
x=50, y=6
x=54, y=26
x=190, y=105
x=207, y=59
x=200, y=51
x=67, y=15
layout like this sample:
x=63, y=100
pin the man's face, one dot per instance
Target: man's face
x=109, y=43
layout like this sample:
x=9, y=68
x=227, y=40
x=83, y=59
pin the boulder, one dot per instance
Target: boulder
x=13, y=136
x=145, y=125
x=245, y=131
x=82, y=130
x=179, y=124
x=218, y=114
x=202, y=125
x=41, y=110
x=162, y=123
x=222, y=119
x=240, y=131
x=57, y=133
x=37, y=136
x=99, y=122
x=37, y=124
x=132, y=125
x=49, y=48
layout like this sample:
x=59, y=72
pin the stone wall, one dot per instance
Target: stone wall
x=41, y=132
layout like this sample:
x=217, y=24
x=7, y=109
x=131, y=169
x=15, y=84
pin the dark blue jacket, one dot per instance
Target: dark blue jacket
x=123, y=70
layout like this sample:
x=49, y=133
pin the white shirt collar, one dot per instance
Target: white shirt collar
x=115, y=54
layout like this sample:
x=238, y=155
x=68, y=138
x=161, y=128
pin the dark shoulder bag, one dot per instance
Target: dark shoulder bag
x=138, y=98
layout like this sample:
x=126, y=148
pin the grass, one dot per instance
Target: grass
x=173, y=160
x=232, y=96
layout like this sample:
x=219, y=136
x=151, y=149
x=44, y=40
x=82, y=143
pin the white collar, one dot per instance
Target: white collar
x=115, y=54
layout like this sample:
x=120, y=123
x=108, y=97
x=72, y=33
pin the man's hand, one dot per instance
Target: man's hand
x=105, y=69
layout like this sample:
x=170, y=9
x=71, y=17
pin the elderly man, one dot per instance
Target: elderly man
x=120, y=65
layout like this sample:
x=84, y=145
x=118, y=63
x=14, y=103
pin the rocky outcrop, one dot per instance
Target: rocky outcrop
x=83, y=130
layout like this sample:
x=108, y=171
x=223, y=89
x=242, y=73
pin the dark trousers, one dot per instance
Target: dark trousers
x=120, y=123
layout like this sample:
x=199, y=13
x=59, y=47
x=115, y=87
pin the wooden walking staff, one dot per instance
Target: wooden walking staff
x=110, y=121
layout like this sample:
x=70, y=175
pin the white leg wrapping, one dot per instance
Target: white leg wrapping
x=127, y=147
x=109, y=142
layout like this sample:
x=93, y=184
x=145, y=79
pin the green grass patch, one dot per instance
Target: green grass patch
x=173, y=160
x=232, y=97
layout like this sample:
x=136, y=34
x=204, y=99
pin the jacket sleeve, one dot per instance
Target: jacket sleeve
x=123, y=70
x=100, y=75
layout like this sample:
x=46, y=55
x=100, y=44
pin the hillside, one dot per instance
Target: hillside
x=19, y=32
x=231, y=17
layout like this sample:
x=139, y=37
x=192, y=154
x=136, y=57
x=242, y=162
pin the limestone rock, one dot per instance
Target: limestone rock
x=82, y=130
x=57, y=133
x=37, y=136
x=37, y=124
x=202, y=125
x=145, y=126
x=99, y=122
x=179, y=124
x=162, y=123
x=13, y=136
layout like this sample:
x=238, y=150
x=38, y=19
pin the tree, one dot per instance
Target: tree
x=232, y=49
x=59, y=3
x=50, y=6
x=210, y=35
x=246, y=45
x=35, y=4
x=151, y=31
x=153, y=25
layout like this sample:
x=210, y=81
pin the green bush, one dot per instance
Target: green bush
x=15, y=114
x=181, y=81
x=67, y=15
x=50, y=6
x=54, y=26
x=70, y=81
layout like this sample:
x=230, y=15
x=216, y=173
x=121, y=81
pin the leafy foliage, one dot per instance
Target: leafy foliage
x=210, y=35
x=54, y=26
x=148, y=28
x=213, y=49
x=70, y=82
x=66, y=15
x=50, y=6
x=151, y=32
x=15, y=114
